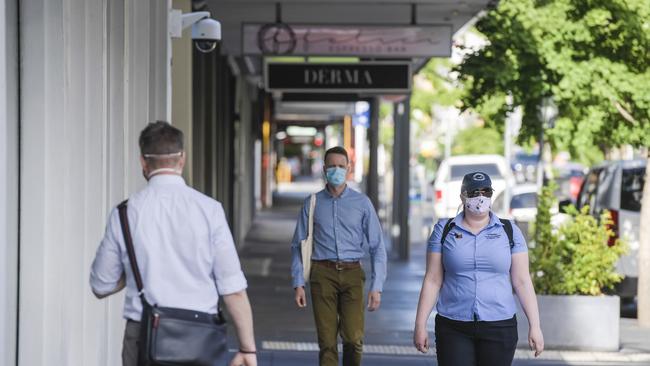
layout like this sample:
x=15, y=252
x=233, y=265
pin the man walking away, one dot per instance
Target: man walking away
x=184, y=248
x=344, y=225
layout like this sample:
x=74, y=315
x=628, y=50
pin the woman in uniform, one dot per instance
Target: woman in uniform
x=474, y=261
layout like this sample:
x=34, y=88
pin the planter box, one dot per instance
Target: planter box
x=586, y=323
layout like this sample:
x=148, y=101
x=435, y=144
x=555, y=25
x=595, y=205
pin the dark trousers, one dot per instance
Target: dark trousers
x=130, y=345
x=337, y=297
x=475, y=343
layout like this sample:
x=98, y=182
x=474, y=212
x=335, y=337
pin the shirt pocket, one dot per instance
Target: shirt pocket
x=351, y=221
x=458, y=254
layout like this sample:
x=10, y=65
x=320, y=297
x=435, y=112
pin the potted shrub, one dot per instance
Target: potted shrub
x=571, y=267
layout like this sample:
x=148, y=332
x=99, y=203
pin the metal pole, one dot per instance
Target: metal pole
x=540, y=161
x=401, y=156
x=448, y=127
x=373, y=146
x=507, y=150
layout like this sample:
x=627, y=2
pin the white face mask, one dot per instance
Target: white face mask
x=478, y=205
x=164, y=170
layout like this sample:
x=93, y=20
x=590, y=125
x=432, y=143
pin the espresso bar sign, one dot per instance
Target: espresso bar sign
x=362, y=77
x=347, y=40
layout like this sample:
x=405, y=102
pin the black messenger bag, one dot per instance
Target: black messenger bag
x=172, y=336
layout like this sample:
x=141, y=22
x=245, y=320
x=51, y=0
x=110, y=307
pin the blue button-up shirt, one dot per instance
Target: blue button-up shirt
x=343, y=227
x=476, y=282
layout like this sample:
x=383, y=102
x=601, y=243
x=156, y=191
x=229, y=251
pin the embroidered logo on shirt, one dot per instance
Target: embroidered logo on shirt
x=492, y=236
x=458, y=235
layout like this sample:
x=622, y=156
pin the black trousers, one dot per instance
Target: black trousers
x=475, y=343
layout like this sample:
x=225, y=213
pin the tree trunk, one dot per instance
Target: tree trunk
x=643, y=289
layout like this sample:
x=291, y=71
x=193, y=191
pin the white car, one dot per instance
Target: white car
x=522, y=208
x=450, y=176
x=523, y=203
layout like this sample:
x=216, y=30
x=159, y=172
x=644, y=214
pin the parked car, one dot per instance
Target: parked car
x=617, y=186
x=522, y=208
x=450, y=175
x=524, y=166
x=569, y=178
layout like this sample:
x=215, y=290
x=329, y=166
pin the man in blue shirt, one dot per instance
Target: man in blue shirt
x=345, y=224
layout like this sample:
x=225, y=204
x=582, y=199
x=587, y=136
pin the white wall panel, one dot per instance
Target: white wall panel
x=86, y=93
x=8, y=180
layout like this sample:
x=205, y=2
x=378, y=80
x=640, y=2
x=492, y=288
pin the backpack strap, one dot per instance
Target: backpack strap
x=448, y=226
x=507, y=226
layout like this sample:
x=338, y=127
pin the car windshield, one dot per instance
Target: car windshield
x=632, y=189
x=459, y=171
x=524, y=200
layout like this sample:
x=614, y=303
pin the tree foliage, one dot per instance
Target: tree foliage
x=442, y=89
x=478, y=140
x=591, y=56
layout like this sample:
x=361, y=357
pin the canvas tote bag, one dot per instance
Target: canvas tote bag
x=307, y=245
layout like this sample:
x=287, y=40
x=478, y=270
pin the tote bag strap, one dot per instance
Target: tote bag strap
x=312, y=205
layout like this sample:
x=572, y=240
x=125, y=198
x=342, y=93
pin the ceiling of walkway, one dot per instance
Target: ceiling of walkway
x=233, y=14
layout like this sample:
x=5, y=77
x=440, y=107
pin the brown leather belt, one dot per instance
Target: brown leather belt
x=339, y=266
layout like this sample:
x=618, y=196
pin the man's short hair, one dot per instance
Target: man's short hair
x=160, y=138
x=337, y=150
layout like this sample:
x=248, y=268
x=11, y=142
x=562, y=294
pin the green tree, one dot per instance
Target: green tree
x=593, y=58
x=478, y=140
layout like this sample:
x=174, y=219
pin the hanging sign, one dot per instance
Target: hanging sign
x=360, y=77
x=347, y=40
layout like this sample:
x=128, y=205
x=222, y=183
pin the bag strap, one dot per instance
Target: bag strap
x=448, y=226
x=128, y=241
x=507, y=226
x=312, y=204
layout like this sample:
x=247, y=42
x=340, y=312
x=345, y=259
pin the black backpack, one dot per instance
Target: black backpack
x=507, y=226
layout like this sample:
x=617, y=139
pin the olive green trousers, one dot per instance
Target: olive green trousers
x=337, y=298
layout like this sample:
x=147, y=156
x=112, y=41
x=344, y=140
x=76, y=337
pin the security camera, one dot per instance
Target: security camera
x=206, y=32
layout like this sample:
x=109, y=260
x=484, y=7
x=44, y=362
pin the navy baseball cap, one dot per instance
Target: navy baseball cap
x=474, y=181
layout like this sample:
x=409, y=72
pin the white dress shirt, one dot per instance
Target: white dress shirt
x=183, y=246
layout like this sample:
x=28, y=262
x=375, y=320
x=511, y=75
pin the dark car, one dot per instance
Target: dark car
x=617, y=186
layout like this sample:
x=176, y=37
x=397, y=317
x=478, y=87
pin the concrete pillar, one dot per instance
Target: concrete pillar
x=373, y=146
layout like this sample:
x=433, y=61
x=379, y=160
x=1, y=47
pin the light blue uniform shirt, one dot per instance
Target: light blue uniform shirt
x=476, y=282
x=343, y=228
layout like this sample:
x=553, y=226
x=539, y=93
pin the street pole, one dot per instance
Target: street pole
x=448, y=136
x=546, y=114
x=373, y=147
x=401, y=157
x=507, y=151
x=540, y=161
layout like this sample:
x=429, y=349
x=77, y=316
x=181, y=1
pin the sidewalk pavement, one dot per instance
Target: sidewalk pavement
x=286, y=335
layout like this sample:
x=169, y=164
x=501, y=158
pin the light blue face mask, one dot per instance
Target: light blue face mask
x=335, y=176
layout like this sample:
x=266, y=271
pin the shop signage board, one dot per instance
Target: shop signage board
x=347, y=40
x=361, y=77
